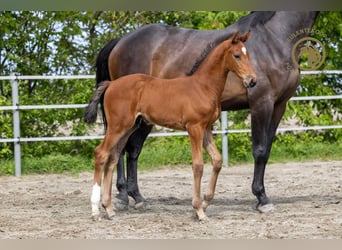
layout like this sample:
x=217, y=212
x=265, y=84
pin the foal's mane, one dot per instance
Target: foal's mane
x=245, y=23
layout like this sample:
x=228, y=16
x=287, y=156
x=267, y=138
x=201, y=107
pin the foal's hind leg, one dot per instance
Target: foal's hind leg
x=101, y=159
x=108, y=174
x=108, y=177
x=106, y=157
x=216, y=161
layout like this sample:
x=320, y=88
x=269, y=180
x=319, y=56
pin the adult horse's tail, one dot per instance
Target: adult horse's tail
x=90, y=114
x=101, y=64
x=102, y=70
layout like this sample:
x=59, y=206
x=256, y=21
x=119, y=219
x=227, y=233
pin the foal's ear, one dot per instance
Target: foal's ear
x=245, y=37
x=236, y=37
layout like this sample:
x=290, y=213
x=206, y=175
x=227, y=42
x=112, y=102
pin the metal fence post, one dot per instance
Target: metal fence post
x=224, y=127
x=16, y=126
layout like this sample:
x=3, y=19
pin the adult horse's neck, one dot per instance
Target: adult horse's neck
x=289, y=26
x=284, y=25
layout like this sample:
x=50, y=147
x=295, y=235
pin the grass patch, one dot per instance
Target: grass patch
x=54, y=163
x=306, y=152
x=160, y=152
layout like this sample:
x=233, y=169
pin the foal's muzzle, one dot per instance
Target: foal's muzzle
x=249, y=81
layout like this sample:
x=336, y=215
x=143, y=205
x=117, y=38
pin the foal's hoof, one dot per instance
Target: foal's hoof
x=203, y=219
x=267, y=208
x=201, y=216
x=120, y=205
x=96, y=217
x=110, y=215
x=205, y=204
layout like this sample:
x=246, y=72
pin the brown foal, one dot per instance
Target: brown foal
x=189, y=103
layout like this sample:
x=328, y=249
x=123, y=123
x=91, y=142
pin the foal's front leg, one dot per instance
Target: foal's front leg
x=196, y=139
x=216, y=161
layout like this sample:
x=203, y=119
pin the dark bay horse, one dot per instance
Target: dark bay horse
x=169, y=52
x=191, y=103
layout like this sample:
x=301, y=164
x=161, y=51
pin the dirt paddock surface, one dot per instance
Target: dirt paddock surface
x=307, y=197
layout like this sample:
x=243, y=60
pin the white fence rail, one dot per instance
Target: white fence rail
x=224, y=125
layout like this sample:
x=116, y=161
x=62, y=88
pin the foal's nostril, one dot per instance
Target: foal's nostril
x=249, y=81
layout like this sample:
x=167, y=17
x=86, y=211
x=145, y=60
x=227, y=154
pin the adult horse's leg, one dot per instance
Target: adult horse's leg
x=121, y=199
x=129, y=186
x=216, y=161
x=263, y=132
x=196, y=139
x=133, y=149
x=262, y=139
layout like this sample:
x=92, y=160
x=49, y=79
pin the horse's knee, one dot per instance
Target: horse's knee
x=260, y=153
x=197, y=169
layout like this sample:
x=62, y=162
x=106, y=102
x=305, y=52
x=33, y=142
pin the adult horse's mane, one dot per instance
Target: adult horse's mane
x=245, y=23
x=255, y=18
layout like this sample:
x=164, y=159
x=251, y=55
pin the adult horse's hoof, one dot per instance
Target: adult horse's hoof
x=120, y=205
x=143, y=205
x=267, y=208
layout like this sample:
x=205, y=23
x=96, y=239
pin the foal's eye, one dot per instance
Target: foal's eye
x=237, y=57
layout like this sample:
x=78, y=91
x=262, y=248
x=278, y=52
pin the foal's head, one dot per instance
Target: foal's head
x=237, y=58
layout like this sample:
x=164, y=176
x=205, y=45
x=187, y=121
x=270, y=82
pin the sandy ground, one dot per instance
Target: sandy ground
x=307, y=196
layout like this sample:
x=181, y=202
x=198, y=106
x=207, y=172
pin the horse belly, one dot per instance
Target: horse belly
x=158, y=106
x=163, y=114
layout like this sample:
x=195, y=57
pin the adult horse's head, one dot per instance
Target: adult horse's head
x=238, y=59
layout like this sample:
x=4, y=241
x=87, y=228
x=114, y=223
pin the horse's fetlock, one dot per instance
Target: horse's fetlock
x=258, y=190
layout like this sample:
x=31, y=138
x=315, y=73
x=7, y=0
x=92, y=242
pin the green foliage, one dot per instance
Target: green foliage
x=328, y=30
x=205, y=20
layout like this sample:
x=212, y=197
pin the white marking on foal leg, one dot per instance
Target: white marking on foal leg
x=244, y=50
x=95, y=201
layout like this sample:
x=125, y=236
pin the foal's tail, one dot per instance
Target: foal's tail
x=102, y=70
x=90, y=114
